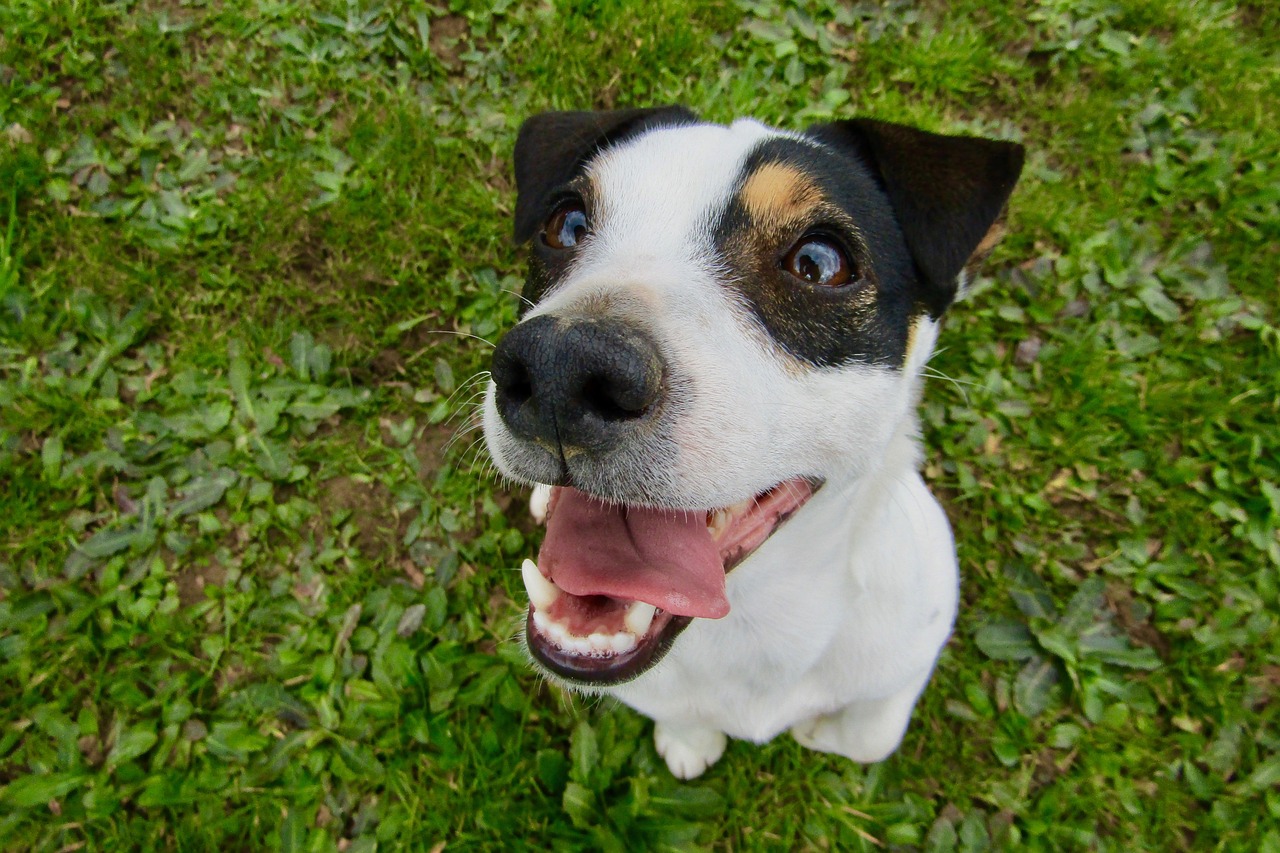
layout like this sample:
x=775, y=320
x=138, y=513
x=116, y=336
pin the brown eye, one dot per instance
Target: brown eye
x=567, y=226
x=818, y=260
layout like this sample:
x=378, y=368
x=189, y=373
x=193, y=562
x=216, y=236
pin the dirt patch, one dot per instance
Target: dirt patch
x=372, y=508
x=448, y=39
x=380, y=524
x=387, y=364
x=1258, y=17
x=391, y=363
x=429, y=448
x=1140, y=631
x=193, y=580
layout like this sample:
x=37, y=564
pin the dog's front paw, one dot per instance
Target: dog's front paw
x=819, y=734
x=848, y=735
x=688, y=750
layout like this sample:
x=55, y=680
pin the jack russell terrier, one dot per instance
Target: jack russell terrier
x=713, y=389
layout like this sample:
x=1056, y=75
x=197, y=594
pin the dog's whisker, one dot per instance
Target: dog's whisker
x=471, y=447
x=466, y=421
x=480, y=376
x=472, y=407
x=484, y=341
x=470, y=413
x=934, y=373
x=457, y=436
x=476, y=458
x=519, y=296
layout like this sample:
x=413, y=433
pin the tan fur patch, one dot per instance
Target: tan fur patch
x=993, y=236
x=911, y=339
x=777, y=192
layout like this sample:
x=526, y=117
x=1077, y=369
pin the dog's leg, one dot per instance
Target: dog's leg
x=688, y=749
x=863, y=731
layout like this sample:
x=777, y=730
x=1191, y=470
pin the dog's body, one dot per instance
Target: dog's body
x=726, y=339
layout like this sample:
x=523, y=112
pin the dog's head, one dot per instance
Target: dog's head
x=718, y=320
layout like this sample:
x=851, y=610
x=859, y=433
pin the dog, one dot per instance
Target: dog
x=712, y=388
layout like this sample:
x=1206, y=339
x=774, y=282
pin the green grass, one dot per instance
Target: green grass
x=251, y=596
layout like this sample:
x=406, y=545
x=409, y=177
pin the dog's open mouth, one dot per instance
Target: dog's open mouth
x=615, y=584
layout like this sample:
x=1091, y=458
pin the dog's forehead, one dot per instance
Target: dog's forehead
x=678, y=180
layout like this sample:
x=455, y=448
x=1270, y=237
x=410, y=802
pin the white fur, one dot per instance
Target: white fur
x=837, y=619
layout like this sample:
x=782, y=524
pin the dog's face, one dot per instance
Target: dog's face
x=719, y=321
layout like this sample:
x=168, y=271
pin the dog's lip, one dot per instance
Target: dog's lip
x=737, y=531
x=769, y=510
x=602, y=670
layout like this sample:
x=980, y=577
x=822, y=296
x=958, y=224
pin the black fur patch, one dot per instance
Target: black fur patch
x=552, y=151
x=865, y=321
x=553, y=147
x=946, y=191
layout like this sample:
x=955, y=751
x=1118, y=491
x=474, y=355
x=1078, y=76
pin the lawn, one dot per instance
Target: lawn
x=258, y=584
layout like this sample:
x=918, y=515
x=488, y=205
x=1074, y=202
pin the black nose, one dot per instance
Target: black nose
x=581, y=383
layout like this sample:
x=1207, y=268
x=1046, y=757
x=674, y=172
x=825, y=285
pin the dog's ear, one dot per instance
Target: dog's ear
x=552, y=146
x=946, y=191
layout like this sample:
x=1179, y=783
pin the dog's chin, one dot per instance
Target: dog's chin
x=611, y=627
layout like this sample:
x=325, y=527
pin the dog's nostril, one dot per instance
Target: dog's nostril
x=603, y=398
x=513, y=381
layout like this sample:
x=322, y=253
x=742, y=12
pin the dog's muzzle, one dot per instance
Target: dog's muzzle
x=577, y=384
x=618, y=576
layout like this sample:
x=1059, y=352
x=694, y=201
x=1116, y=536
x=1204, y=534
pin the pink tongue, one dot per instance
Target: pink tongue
x=661, y=557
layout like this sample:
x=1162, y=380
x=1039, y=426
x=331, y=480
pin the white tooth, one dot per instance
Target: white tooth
x=639, y=617
x=623, y=642
x=539, y=501
x=541, y=621
x=601, y=642
x=542, y=592
x=717, y=521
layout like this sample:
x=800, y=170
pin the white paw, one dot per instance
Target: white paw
x=806, y=734
x=538, y=502
x=688, y=751
x=863, y=744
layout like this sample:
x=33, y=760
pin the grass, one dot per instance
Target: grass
x=256, y=589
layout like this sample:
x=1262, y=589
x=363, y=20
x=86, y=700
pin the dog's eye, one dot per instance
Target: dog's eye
x=566, y=227
x=818, y=260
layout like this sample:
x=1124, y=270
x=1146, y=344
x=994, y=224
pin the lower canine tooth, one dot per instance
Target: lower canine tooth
x=542, y=592
x=639, y=617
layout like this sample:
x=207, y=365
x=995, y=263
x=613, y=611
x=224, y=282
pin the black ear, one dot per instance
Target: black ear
x=946, y=191
x=552, y=146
